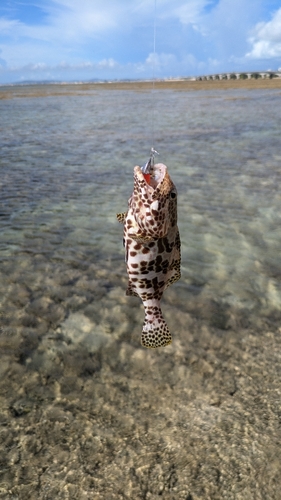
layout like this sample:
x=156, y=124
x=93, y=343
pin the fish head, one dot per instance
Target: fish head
x=154, y=203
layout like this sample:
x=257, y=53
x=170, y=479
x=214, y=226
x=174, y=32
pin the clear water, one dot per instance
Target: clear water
x=66, y=169
x=85, y=412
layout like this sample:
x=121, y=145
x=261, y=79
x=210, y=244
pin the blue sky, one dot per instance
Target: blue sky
x=74, y=40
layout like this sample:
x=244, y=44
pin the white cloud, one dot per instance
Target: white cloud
x=68, y=30
x=110, y=38
x=189, y=12
x=266, y=39
x=83, y=66
x=185, y=11
x=81, y=19
x=165, y=65
x=8, y=26
x=71, y=31
x=108, y=63
x=67, y=20
x=159, y=60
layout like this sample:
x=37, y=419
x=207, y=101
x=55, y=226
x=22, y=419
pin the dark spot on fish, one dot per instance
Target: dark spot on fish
x=167, y=246
x=158, y=260
x=161, y=247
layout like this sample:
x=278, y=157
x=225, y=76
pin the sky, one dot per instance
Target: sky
x=78, y=40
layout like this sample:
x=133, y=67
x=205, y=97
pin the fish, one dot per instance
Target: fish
x=152, y=247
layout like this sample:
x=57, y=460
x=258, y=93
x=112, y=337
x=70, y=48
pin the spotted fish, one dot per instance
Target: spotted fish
x=152, y=247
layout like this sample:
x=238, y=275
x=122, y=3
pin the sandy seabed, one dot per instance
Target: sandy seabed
x=85, y=411
x=110, y=420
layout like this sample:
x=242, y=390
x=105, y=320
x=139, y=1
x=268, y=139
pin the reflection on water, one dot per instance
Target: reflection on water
x=66, y=169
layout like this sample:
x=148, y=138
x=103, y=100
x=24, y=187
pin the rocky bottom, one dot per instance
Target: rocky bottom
x=87, y=413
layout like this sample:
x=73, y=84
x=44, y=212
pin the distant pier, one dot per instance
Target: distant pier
x=240, y=75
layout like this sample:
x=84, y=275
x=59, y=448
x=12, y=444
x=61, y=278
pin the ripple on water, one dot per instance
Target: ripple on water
x=83, y=407
x=68, y=168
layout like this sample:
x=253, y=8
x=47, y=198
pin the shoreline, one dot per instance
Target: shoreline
x=58, y=89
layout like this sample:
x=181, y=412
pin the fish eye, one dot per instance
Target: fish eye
x=173, y=194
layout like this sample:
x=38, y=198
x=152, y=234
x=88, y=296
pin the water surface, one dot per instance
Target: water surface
x=85, y=409
x=66, y=169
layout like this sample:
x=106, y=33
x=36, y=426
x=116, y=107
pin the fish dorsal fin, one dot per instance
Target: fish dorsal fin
x=121, y=217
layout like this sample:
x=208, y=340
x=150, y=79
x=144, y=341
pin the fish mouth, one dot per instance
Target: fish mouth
x=156, y=175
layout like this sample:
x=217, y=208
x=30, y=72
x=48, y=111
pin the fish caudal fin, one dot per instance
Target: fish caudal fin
x=155, y=331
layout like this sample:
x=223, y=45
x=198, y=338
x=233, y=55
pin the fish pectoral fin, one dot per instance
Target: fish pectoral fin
x=173, y=275
x=141, y=238
x=121, y=217
x=130, y=290
x=155, y=331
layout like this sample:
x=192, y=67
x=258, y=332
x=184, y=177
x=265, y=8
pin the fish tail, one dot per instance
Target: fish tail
x=155, y=331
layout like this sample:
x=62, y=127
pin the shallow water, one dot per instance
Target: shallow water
x=70, y=338
x=66, y=169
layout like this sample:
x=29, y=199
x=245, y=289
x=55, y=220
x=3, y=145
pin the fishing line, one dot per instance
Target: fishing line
x=149, y=164
x=153, y=75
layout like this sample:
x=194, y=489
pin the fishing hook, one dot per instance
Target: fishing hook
x=150, y=163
